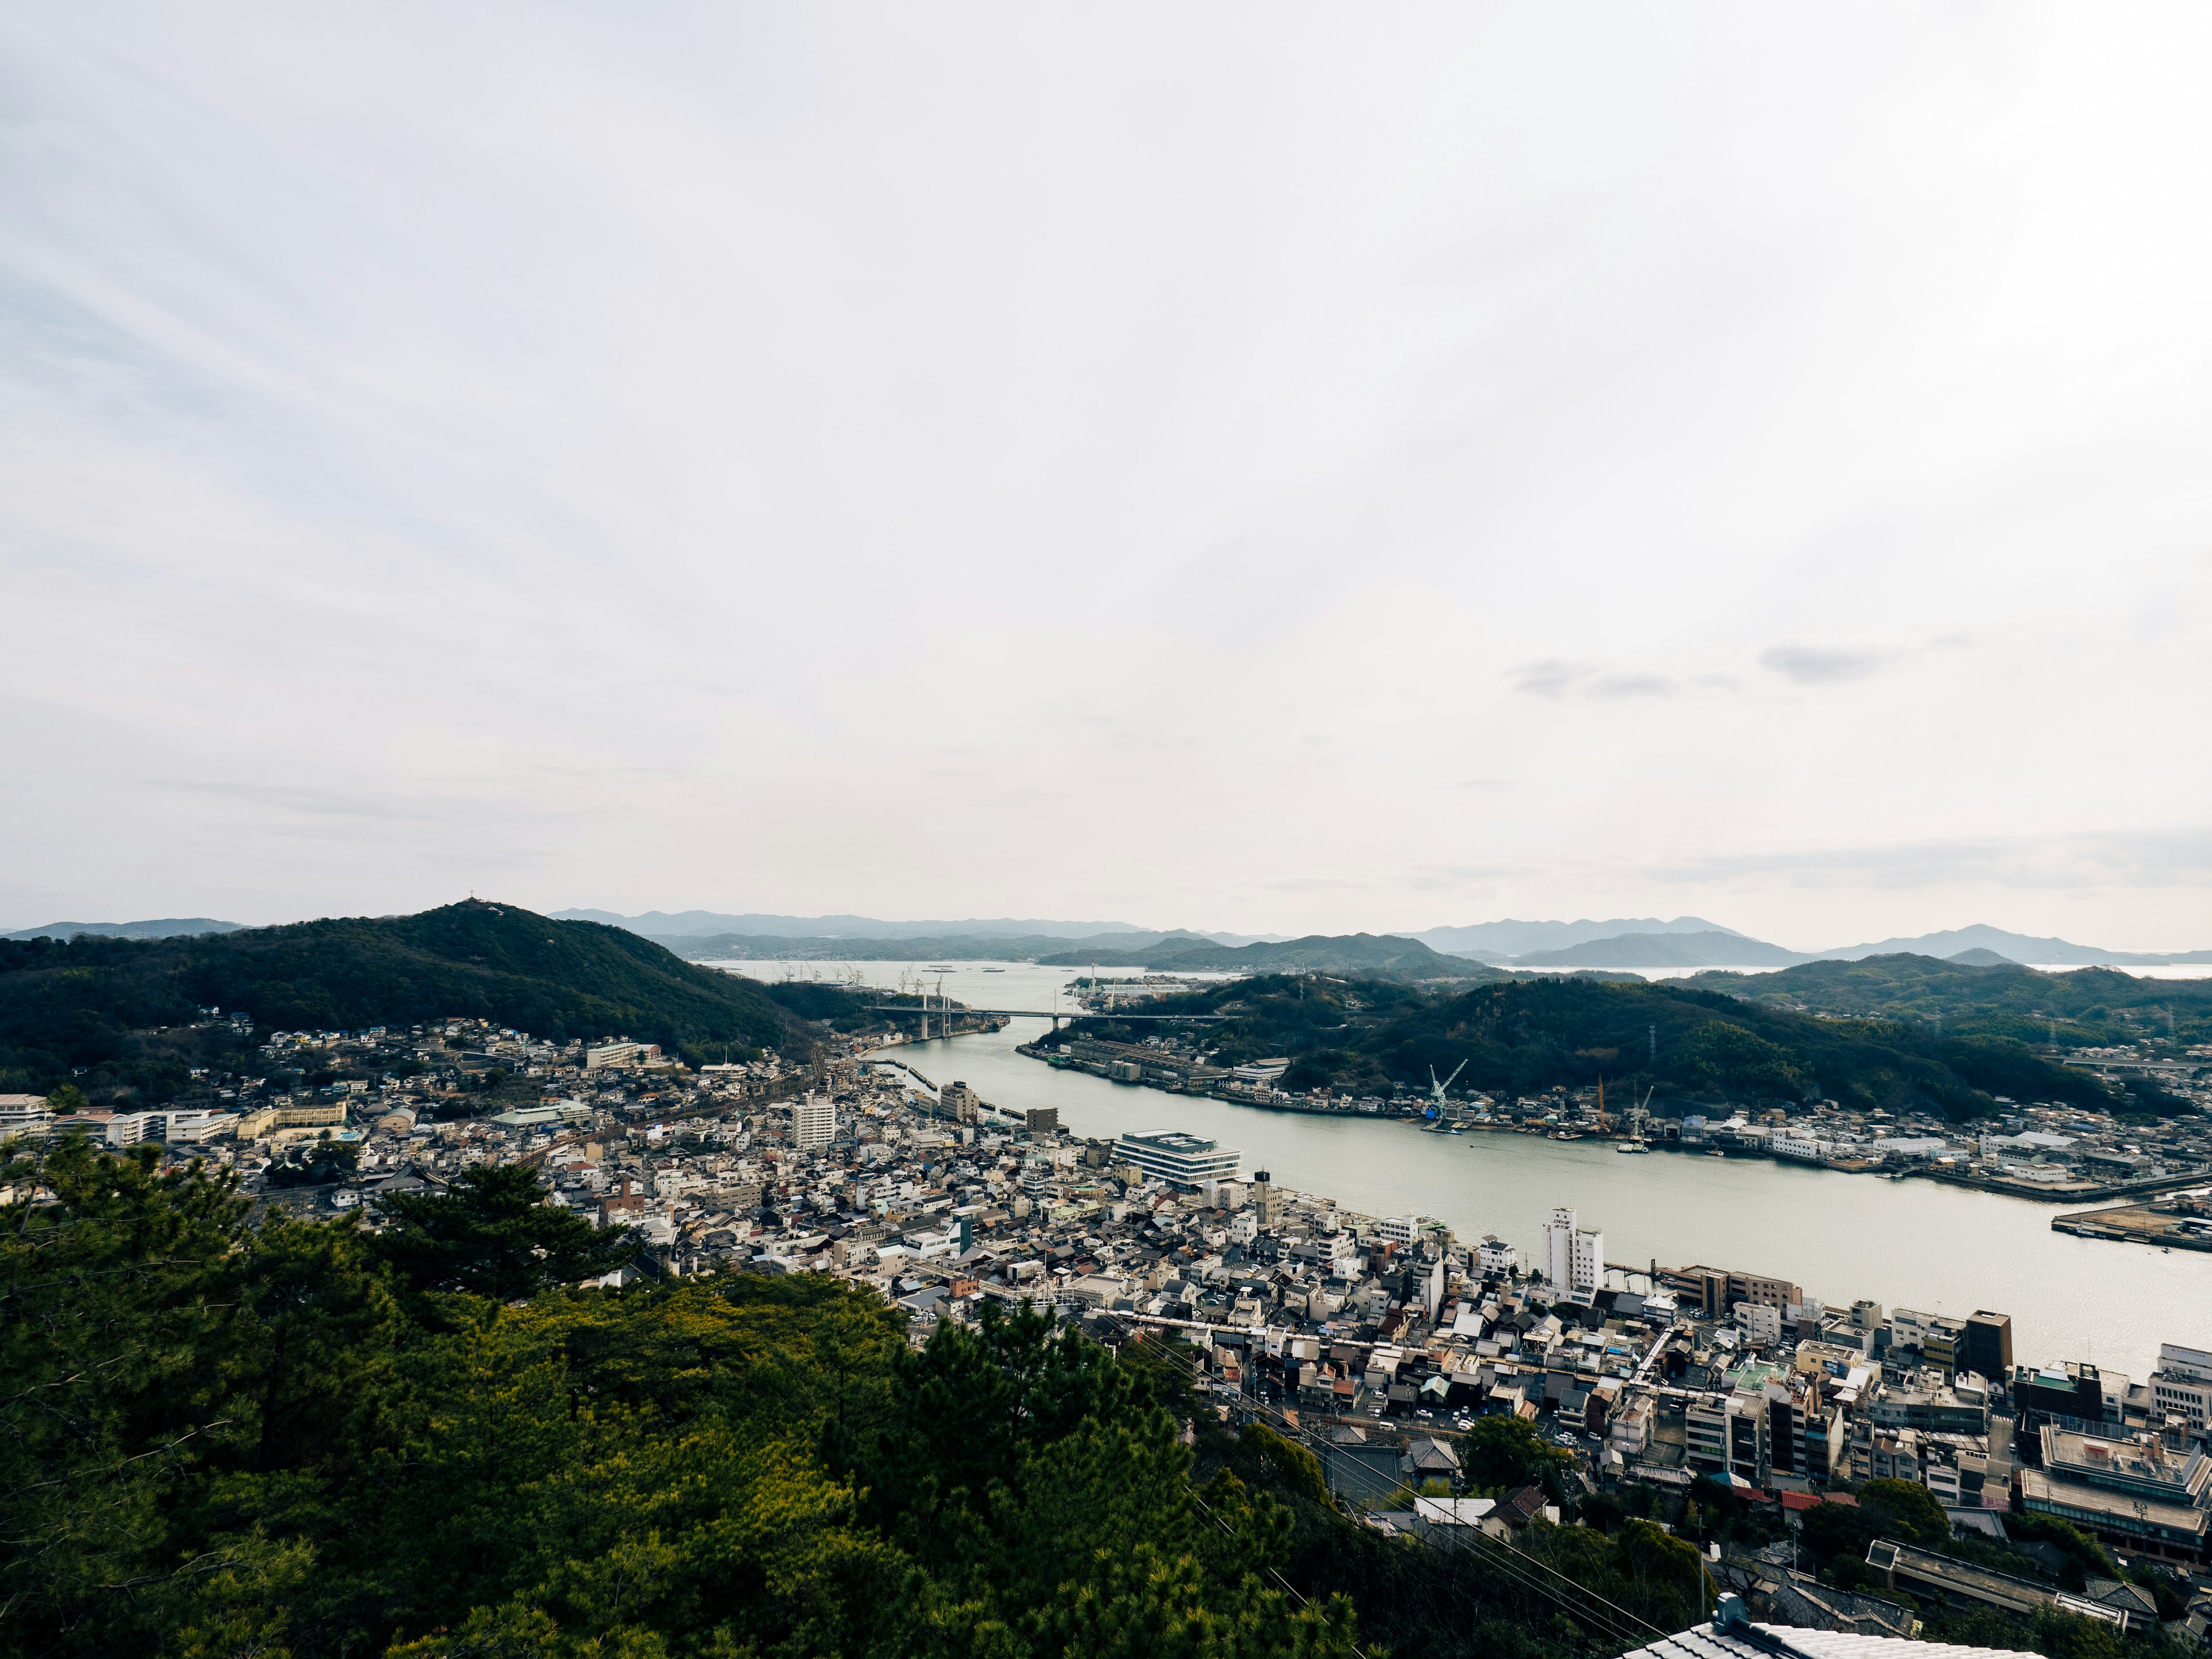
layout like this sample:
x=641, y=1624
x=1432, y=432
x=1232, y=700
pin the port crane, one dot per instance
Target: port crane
x=1436, y=1090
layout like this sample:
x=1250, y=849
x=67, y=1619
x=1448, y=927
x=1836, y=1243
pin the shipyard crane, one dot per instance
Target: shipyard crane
x=1436, y=1090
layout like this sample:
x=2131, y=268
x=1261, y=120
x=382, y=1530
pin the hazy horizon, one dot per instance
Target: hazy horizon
x=1265, y=472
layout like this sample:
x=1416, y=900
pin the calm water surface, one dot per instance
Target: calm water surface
x=1908, y=1244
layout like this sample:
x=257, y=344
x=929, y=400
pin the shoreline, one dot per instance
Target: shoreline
x=2035, y=1192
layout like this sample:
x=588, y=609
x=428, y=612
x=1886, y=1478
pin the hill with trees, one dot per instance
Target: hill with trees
x=1381, y=956
x=127, y=1010
x=1524, y=1036
x=1713, y=949
x=2081, y=1008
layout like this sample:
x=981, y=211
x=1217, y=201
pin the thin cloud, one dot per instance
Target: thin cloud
x=2160, y=858
x=1806, y=664
x=1553, y=678
x=1817, y=665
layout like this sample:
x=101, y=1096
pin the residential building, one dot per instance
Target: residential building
x=1493, y=1257
x=813, y=1123
x=959, y=1103
x=1574, y=1256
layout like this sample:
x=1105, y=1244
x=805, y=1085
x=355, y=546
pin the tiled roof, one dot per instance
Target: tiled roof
x=1783, y=1641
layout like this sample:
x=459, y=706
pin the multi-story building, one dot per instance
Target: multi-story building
x=599, y=1057
x=1493, y=1255
x=1987, y=1351
x=1713, y=1291
x=1574, y=1256
x=2136, y=1494
x=23, y=1115
x=2073, y=1396
x=300, y=1116
x=959, y=1103
x=2182, y=1385
x=813, y=1123
x=1182, y=1160
x=1935, y=1410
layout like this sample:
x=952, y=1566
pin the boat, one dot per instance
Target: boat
x=1565, y=1134
x=1627, y=1146
x=1717, y=1152
x=994, y=970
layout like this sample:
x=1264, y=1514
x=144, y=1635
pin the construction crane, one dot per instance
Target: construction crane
x=1436, y=1090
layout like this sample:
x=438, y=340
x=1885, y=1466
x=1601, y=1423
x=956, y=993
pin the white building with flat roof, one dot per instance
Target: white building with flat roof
x=1574, y=1256
x=1183, y=1159
x=813, y=1124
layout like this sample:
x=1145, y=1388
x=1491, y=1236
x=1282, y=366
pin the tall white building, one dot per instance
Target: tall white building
x=2182, y=1384
x=813, y=1124
x=1574, y=1256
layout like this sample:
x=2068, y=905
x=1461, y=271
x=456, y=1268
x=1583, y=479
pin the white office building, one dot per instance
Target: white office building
x=2182, y=1384
x=1574, y=1256
x=1183, y=1159
x=813, y=1123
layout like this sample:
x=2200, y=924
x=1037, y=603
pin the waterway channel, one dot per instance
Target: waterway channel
x=1909, y=1243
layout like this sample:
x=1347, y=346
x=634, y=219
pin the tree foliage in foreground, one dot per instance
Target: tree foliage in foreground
x=222, y=1439
x=229, y=1438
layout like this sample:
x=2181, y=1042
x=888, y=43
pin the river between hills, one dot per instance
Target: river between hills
x=1905, y=1244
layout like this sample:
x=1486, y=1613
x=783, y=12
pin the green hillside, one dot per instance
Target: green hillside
x=1374, y=955
x=102, y=1003
x=1526, y=1035
x=2083, y=1007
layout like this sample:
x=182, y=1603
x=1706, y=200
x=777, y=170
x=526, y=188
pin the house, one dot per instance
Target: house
x=1430, y=1460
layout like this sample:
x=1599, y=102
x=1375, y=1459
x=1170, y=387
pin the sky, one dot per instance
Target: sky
x=1272, y=468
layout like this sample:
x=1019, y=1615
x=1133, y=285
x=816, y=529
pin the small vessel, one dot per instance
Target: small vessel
x=1717, y=1152
x=994, y=970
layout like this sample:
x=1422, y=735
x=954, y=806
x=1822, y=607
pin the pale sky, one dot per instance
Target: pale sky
x=1248, y=466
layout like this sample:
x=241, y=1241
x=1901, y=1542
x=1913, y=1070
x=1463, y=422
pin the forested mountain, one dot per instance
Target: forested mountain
x=1503, y=941
x=951, y=947
x=100, y=1003
x=2082, y=1006
x=1707, y=950
x=167, y=928
x=1524, y=1036
x=1386, y=956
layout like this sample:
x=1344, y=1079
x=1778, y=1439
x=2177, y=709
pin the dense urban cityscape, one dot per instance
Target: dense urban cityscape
x=1380, y=1342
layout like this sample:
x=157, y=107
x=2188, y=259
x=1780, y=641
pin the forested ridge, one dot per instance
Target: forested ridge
x=122, y=1008
x=2080, y=1007
x=1691, y=1044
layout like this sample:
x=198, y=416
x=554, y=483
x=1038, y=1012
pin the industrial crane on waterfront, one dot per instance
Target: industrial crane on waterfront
x=1436, y=1090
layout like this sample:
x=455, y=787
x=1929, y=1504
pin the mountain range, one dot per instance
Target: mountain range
x=1645, y=942
x=170, y=927
x=1690, y=942
x=693, y=924
x=1381, y=956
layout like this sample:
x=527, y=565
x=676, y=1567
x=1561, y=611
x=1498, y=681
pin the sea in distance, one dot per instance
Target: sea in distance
x=1905, y=1244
